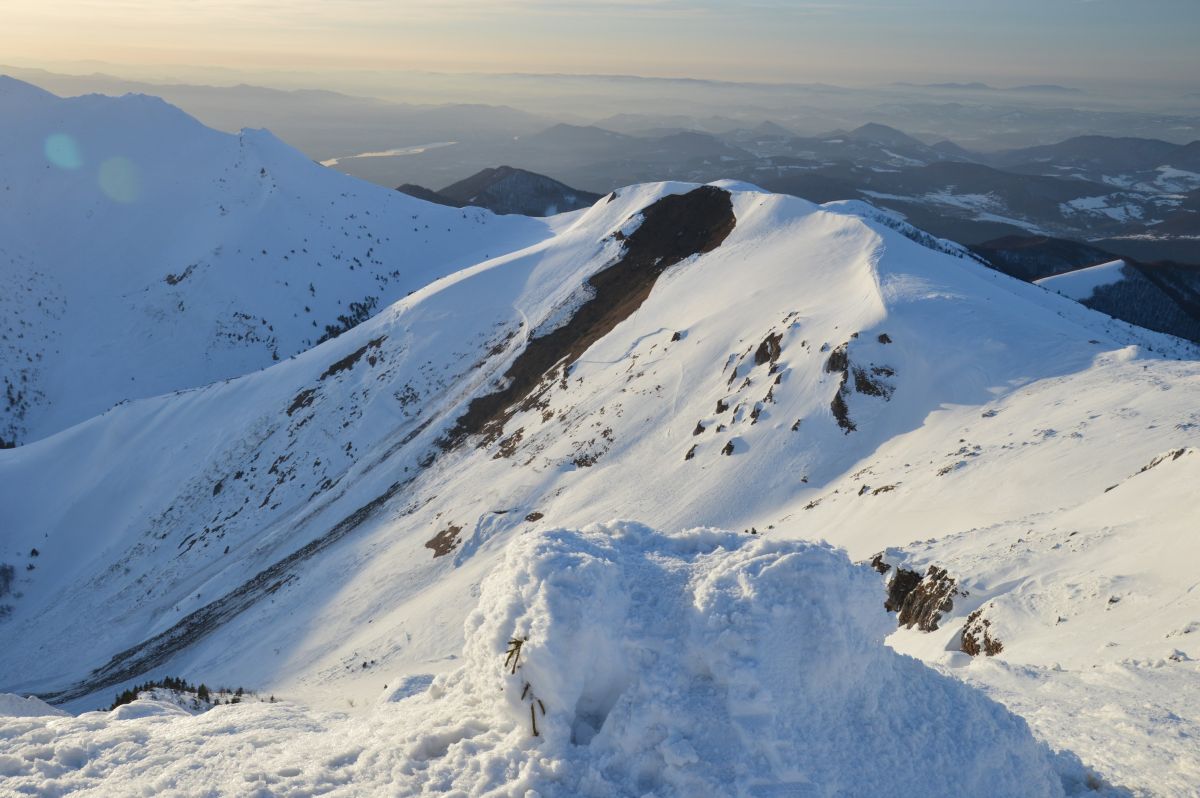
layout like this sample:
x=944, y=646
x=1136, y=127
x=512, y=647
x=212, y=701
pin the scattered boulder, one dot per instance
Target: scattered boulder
x=769, y=350
x=977, y=636
x=924, y=606
x=918, y=600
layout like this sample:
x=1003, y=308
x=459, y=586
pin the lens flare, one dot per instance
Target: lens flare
x=120, y=180
x=63, y=151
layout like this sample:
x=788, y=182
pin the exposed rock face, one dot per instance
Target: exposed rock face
x=977, y=636
x=932, y=597
x=864, y=382
x=769, y=350
x=918, y=600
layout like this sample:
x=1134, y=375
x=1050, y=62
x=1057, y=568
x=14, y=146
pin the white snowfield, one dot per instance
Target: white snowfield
x=317, y=531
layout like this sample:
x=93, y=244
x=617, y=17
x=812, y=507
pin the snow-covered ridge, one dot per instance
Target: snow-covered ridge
x=1081, y=284
x=313, y=530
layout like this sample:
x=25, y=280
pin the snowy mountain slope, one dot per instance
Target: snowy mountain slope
x=146, y=253
x=686, y=356
x=1159, y=297
x=1081, y=284
x=1095, y=606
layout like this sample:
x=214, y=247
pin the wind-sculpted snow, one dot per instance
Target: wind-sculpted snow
x=704, y=663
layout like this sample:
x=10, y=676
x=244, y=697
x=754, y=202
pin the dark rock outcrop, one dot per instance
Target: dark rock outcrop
x=674, y=228
x=977, y=636
x=444, y=542
x=918, y=600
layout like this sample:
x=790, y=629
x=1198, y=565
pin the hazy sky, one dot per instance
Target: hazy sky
x=851, y=41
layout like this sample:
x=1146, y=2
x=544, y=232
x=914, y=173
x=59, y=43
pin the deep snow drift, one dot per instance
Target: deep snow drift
x=703, y=663
x=686, y=356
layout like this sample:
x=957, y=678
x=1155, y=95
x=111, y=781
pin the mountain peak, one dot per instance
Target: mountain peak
x=506, y=190
x=883, y=134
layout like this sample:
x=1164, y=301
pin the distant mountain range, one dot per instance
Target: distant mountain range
x=1039, y=88
x=323, y=124
x=1138, y=198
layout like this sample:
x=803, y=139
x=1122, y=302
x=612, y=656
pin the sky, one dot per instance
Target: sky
x=845, y=41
